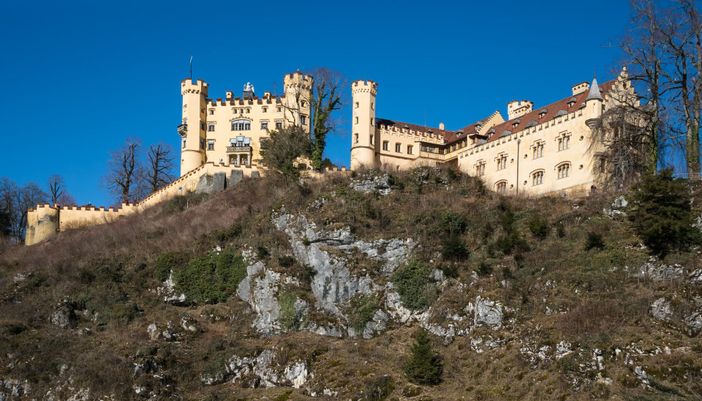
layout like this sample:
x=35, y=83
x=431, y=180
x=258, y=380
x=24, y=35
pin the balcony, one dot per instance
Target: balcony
x=182, y=129
x=238, y=149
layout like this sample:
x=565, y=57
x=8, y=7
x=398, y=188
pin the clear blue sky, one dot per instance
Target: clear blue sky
x=81, y=77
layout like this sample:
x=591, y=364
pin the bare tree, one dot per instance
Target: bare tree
x=326, y=98
x=665, y=51
x=123, y=173
x=57, y=191
x=160, y=166
x=14, y=203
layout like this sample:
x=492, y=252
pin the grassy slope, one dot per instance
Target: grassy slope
x=110, y=272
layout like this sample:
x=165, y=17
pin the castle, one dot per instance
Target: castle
x=220, y=144
x=534, y=151
x=549, y=149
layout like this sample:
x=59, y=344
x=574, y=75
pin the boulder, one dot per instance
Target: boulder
x=209, y=184
x=661, y=309
x=487, y=312
x=64, y=316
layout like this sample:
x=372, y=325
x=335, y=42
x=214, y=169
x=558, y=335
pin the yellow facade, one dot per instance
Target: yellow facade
x=217, y=136
x=535, y=151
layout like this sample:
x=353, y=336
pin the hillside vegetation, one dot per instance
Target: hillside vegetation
x=412, y=286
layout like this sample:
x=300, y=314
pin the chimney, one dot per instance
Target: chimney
x=518, y=108
x=580, y=88
x=441, y=126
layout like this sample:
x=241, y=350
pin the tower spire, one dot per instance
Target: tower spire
x=594, y=93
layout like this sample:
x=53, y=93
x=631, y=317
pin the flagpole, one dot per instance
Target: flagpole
x=191, y=68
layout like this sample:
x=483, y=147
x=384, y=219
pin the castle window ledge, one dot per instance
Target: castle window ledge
x=238, y=149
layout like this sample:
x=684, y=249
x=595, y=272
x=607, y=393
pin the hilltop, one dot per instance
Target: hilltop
x=285, y=291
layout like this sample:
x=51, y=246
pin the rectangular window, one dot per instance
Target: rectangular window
x=538, y=150
x=264, y=124
x=303, y=120
x=385, y=145
x=563, y=142
x=410, y=149
x=371, y=139
x=211, y=128
x=355, y=138
x=264, y=109
x=502, y=162
x=398, y=147
x=355, y=121
x=183, y=143
x=210, y=144
x=211, y=111
x=278, y=125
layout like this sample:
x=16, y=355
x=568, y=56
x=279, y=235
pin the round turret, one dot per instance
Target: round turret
x=363, y=136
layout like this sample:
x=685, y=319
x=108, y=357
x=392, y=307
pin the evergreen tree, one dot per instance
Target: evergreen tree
x=424, y=366
x=661, y=213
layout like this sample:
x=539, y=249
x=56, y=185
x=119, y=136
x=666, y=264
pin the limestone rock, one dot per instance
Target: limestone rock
x=661, y=309
x=260, y=371
x=153, y=332
x=487, y=312
x=168, y=291
x=371, y=183
x=660, y=271
x=694, y=324
x=64, y=316
x=209, y=184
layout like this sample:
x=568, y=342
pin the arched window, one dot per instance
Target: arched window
x=501, y=186
x=537, y=177
x=563, y=170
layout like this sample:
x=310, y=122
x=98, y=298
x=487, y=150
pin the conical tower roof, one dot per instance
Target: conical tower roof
x=594, y=93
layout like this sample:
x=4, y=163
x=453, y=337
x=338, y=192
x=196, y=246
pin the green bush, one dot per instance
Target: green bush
x=288, y=317
x=661, y=214
x=538, y=225
x=594, y=241
x=453, y=223
x=511, y=242
x=212, y=278
x=484, y=269
x=166, y=262
x=378, y=388
x=361, y=310
x=424, y=366
x=453, y=248
x=413, y=283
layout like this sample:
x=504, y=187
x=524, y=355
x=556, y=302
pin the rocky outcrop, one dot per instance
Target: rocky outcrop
x=209, y=184
x=655, y=271
x=372, y=183
x=260, y=371
x=661, y=309
x=168, y=291
x=64, y=316
x=487, y=312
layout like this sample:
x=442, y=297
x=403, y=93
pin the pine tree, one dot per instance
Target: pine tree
x=661, y=214
x=424, y=366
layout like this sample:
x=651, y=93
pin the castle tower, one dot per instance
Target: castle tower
x=298, y=93
x=363, y=141
x=192, y=128
x=593, y=105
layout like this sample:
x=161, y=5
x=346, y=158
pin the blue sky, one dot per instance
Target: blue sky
x=80, y=77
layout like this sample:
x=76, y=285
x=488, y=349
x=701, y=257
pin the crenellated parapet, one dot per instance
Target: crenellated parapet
x=362, y=86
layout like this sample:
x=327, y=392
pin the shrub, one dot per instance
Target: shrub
x=288, y=317
x=453, y=223
x=279, y=152
x=484, y=269
x=594, y=241
x=661, y=214
x=424, y=366
x=166, y=262
x=361, y=311
x=511, y=242
x=538, y=225
x=413, y=284
x=212, y=278
x=286, y=261
x=378, y=388
x=453, y=248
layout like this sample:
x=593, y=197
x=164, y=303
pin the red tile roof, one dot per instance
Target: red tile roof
x=496, y=131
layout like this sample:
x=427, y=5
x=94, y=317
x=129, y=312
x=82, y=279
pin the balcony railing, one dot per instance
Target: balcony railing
x=238, y=149
x=182, y=129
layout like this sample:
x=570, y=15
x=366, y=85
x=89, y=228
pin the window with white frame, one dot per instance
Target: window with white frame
x=563, y=170
x=563, y=142
x=480, y=168
x=210, y=144
x=241, y=125
x=538, y=150
x=537, y=178
x=501, y=161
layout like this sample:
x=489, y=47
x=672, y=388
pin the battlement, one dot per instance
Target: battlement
x=237, y=101
x=188, y=86
x=298, y=80
x=362, y=86
x=580, y=88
